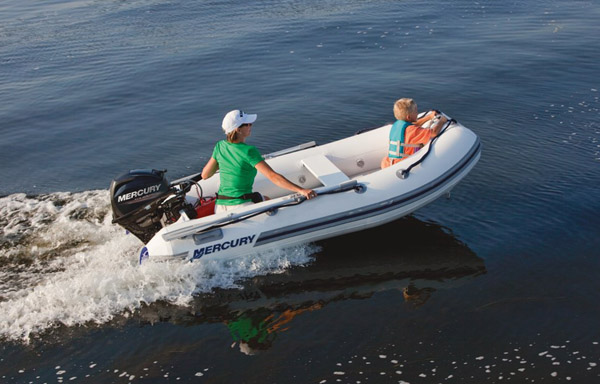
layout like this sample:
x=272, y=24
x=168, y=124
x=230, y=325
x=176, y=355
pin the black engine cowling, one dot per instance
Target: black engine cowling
x=135, y=199
x=143, y=202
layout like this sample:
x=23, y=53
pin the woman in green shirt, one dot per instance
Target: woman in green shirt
x=238, y=164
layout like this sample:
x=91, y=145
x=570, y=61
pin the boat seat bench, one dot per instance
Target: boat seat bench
x=324, y=170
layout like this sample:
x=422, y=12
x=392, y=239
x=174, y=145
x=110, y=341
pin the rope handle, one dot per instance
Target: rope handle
x=403, y=173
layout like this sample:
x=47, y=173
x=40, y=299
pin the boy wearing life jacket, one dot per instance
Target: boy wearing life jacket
x=406, y=135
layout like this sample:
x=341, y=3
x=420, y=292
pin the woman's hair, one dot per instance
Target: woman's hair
x=232, y=136
x=403, y=108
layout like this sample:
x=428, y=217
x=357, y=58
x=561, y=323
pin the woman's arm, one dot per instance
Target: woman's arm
x=210, y=168
x=281, y=181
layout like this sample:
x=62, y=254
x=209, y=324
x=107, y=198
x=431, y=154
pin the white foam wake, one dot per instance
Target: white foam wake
x=67, y=264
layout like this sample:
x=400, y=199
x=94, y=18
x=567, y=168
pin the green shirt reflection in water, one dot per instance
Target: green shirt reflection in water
x=256, y=330
x=253, y=331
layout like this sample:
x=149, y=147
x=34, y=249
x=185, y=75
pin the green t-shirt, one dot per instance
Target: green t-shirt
x=236, y=167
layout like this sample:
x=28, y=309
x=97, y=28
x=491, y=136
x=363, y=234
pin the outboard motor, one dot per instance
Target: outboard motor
x=143, y=202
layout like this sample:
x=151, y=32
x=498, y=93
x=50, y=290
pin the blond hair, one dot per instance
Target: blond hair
x=404, y=108
x=232, y=136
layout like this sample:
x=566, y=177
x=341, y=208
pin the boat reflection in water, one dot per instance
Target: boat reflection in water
x=408, y=255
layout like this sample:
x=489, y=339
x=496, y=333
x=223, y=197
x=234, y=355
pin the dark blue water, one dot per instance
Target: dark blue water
x=497, y=283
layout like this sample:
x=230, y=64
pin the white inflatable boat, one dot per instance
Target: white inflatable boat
x=353, y=194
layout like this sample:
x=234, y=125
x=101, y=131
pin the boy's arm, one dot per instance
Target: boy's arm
x=438, y=126
x=425, y=118
x=435, y=130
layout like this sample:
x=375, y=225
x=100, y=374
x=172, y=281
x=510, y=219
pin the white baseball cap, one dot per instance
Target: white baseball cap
x=235, y=118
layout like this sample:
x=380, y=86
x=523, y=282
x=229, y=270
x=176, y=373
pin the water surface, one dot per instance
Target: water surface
x=498, y=282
